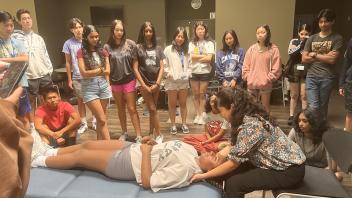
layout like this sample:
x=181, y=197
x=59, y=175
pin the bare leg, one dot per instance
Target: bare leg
x=182, y=100
x=81, y=107
x=95, y=160
x=195, y=85
x=304, y=96
x=98, y=108
x=93, y=145
x=151, y=102
x=294, y=93
x=202, y=91
x=121, y=110
x=265, y=98
x=172, y=100
x=348, y=124
x=132, y=110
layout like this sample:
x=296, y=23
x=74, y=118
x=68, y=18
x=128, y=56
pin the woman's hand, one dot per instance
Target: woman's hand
x=233, y=84
x=147, y=88
x=148, y=140
x=198, y=177
x=146, y=148
x=154, y=87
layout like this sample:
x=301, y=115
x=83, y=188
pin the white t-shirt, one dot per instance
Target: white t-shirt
x=203, y=47
x=173, y=164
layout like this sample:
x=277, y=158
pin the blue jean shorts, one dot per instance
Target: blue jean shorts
x=95, y=88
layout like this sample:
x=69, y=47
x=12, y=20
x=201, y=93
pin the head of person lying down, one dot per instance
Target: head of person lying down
x=154, y=166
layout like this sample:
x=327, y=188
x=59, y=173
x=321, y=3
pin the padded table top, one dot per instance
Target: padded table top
x=52, y=183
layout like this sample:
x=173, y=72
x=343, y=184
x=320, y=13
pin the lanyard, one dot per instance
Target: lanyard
x=182, y=58
x=200, y=47
x=12, y=52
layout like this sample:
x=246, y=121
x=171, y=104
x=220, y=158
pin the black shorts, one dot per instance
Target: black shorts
x=297, y=76
x=35, y=85
x=348, y=97
x=200, y=77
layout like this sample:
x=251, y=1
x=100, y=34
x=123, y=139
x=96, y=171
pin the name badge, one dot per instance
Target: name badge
x=300, y=67
x=229, y=74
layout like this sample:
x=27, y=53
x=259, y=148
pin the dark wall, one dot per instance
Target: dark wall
x=343, y=23
x=178, y=10
x=51, y=27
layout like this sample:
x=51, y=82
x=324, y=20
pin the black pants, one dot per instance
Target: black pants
x=247, y=178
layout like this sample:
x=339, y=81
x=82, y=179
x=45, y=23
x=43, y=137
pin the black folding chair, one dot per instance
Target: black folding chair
x=319, y=182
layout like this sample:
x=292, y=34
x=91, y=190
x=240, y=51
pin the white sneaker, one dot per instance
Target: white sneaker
x=138, y=139
x=94, y=126
x=196, y=120
x=201, y=120
x=123, y=137
x=159, y=139
x=39, y=147
x=173, y=130
x=82, y=128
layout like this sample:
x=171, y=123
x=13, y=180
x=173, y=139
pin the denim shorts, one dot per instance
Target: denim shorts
x=95, y=88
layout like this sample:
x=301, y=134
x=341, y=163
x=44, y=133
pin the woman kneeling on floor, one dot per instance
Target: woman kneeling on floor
x=262, y=156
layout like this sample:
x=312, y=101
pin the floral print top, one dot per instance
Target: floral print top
x=267, y=149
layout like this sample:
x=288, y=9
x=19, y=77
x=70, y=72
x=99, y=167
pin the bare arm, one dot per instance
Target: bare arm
x=87, y=73
x=137, y=74
x=146, y=167
x=19, y=58
x=161, y=72
x=329, y=58
x=216, y=137
x=68, y=62
x=41, y=128
x=73, y=125
x=307, y=58
x=223, y=169
x=197, y=57
x=15, y=95
x=107, y=69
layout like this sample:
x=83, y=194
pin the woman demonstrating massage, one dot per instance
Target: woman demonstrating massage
x=262, y=157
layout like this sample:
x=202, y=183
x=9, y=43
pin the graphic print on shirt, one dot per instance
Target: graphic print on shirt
x=151, y=58
x=167, y=152
x=200, y=49
x=323, y=47
x=7, y=49
x=230, y=61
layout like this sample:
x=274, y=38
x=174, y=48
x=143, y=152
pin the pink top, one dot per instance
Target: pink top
x=55, y=119
x=256, y=67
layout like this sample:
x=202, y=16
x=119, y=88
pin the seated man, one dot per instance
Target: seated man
x=56, y=121
x=154, y=166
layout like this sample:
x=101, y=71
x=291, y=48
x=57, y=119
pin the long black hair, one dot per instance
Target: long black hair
x=184, y=46
x=236, y=43
x=267, y=41
x=141, y=37
x=206, y=34
x=111, y=40
x=86, y=51
x=317, y=125
x=242, y=104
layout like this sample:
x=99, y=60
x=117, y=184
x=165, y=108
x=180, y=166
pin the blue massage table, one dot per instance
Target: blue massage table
x=51, y=183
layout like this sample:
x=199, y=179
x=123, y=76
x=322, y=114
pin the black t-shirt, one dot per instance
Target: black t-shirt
x=149, y=63
x=320, y=45
x=121, y=62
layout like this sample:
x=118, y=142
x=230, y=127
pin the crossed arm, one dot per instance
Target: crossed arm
x=310, y=57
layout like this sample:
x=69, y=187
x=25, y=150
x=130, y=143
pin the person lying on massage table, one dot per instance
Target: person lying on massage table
x=154, y=166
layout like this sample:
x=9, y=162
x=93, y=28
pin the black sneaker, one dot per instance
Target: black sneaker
x=290, y=121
